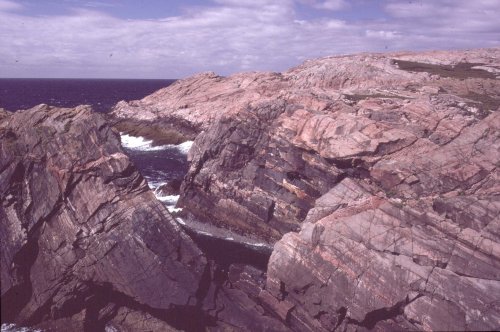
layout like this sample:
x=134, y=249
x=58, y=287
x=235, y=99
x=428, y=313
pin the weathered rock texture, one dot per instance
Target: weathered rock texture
x=84, y=241
x=272, y=143
x=388, y=163
x=85, y=244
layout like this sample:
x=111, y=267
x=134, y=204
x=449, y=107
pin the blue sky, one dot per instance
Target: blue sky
x=174, y=39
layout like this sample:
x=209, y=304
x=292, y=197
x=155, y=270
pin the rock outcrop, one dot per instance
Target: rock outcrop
x=83, y=238
x=170, y=188
x=86, y=245
x=271, y=143
x=380, y=170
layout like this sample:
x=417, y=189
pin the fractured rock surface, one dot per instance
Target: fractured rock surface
x=82, y=236
x=376, y=175
x=86, y=245
x=272, y=143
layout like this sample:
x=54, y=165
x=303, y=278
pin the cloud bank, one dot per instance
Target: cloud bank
x=227, y=36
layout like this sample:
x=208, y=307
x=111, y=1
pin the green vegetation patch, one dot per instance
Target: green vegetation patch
x=461, y=70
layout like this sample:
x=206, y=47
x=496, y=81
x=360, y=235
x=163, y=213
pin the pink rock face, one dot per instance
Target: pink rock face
x=388, y=165
x=201, y=99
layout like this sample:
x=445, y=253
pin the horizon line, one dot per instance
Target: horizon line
x=86, y=78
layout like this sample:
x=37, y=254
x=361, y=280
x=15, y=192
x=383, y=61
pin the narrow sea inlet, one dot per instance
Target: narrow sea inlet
x=158, y=164
x=161, y=164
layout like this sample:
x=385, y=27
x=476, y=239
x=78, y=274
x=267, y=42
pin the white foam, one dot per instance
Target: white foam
x=169, y=199
x=256, y=244
x=6, y=327
x=174, y=209
x=185, y=147
x=110, y=328
x=139, y=143
x=153, y=184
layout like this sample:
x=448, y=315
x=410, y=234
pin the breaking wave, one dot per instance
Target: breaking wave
x=169, y=199
x=142, y=144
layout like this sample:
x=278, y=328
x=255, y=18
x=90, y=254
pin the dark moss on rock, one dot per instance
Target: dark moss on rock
x=461, y=70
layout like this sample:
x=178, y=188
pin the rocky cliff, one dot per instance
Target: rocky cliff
x=380, y=170
x=272, y=143
x=84, y=241
x=86, y=245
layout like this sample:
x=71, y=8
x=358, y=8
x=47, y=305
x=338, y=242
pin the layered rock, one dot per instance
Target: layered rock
x=200, y=100
x=271, y=143
x=411, y=243
x=388, y=165
x=86, y=245
x=83, y=238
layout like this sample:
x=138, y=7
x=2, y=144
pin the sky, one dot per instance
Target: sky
x=175, y=39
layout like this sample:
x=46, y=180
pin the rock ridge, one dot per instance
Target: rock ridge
x=375, y=176
x=87, y=247
x=73, y=207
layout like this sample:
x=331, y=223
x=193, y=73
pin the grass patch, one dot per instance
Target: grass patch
x=461, y=70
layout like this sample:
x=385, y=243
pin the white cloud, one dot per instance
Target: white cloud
x=331, y=4
x=227, y=37
x=6, y=5
x=253, y=3
x=382, y=34
x=448, y=23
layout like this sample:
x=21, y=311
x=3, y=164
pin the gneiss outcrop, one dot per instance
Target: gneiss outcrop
x=380, y=170
x=272, y=143
x=85, y=243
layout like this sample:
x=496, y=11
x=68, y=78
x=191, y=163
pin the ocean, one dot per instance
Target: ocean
x=102, y=94
x=158, y=165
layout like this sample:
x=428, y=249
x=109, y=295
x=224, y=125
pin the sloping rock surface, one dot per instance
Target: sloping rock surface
x=272, y=143
x=380, y=169
x=85, y=243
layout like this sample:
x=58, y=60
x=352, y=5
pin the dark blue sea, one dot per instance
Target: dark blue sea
x=102, y=94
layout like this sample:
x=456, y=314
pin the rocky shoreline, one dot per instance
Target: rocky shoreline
x=269, y=146
x=321, y=159
x=374, y=178
x=99, y=251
